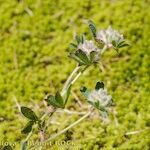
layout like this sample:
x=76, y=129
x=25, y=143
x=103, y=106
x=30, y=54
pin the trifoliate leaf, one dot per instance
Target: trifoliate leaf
x=28, y=127
x=28, y=113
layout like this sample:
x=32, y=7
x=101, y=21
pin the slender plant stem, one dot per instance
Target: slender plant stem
x=78, y=75
x=104, y=48
x=72, y=78
x=66, y=129
x=67, y=83
x=69, y=127
x=70, y=81
x=29, y=135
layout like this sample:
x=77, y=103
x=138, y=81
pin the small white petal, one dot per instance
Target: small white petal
x=87, y=46
x=100, y=95
x=108, y=36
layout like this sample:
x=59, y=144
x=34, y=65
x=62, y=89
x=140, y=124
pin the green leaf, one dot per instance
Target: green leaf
x=120, y=43
x=76, y=58
x=72, y=45
x=84, y=91
x=28, y=127
x=50, y=100
x=8, y=147
x=28, y=113
x=114, y=44
x=99, y=85
x=83, y=57
x=97, y=104
x=82, y=39
x=123, y=45
x=59, y=100
x=92, y=28
x=56, y=101
x=78, y=39
x=24, y=145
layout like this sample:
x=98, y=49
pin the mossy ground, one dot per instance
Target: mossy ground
x=34, y=39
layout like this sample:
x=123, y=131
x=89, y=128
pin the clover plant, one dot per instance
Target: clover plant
x=86, y=53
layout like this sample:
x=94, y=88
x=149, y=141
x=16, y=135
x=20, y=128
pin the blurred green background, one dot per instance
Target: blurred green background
x=34, y=47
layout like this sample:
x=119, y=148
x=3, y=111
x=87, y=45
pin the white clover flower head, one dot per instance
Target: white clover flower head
x=108, y=36
x=88, y=46
x=100, y=95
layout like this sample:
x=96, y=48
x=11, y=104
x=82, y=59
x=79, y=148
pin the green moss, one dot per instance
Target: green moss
x=34, y=39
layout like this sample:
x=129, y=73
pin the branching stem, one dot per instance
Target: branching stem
x=66, y=129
